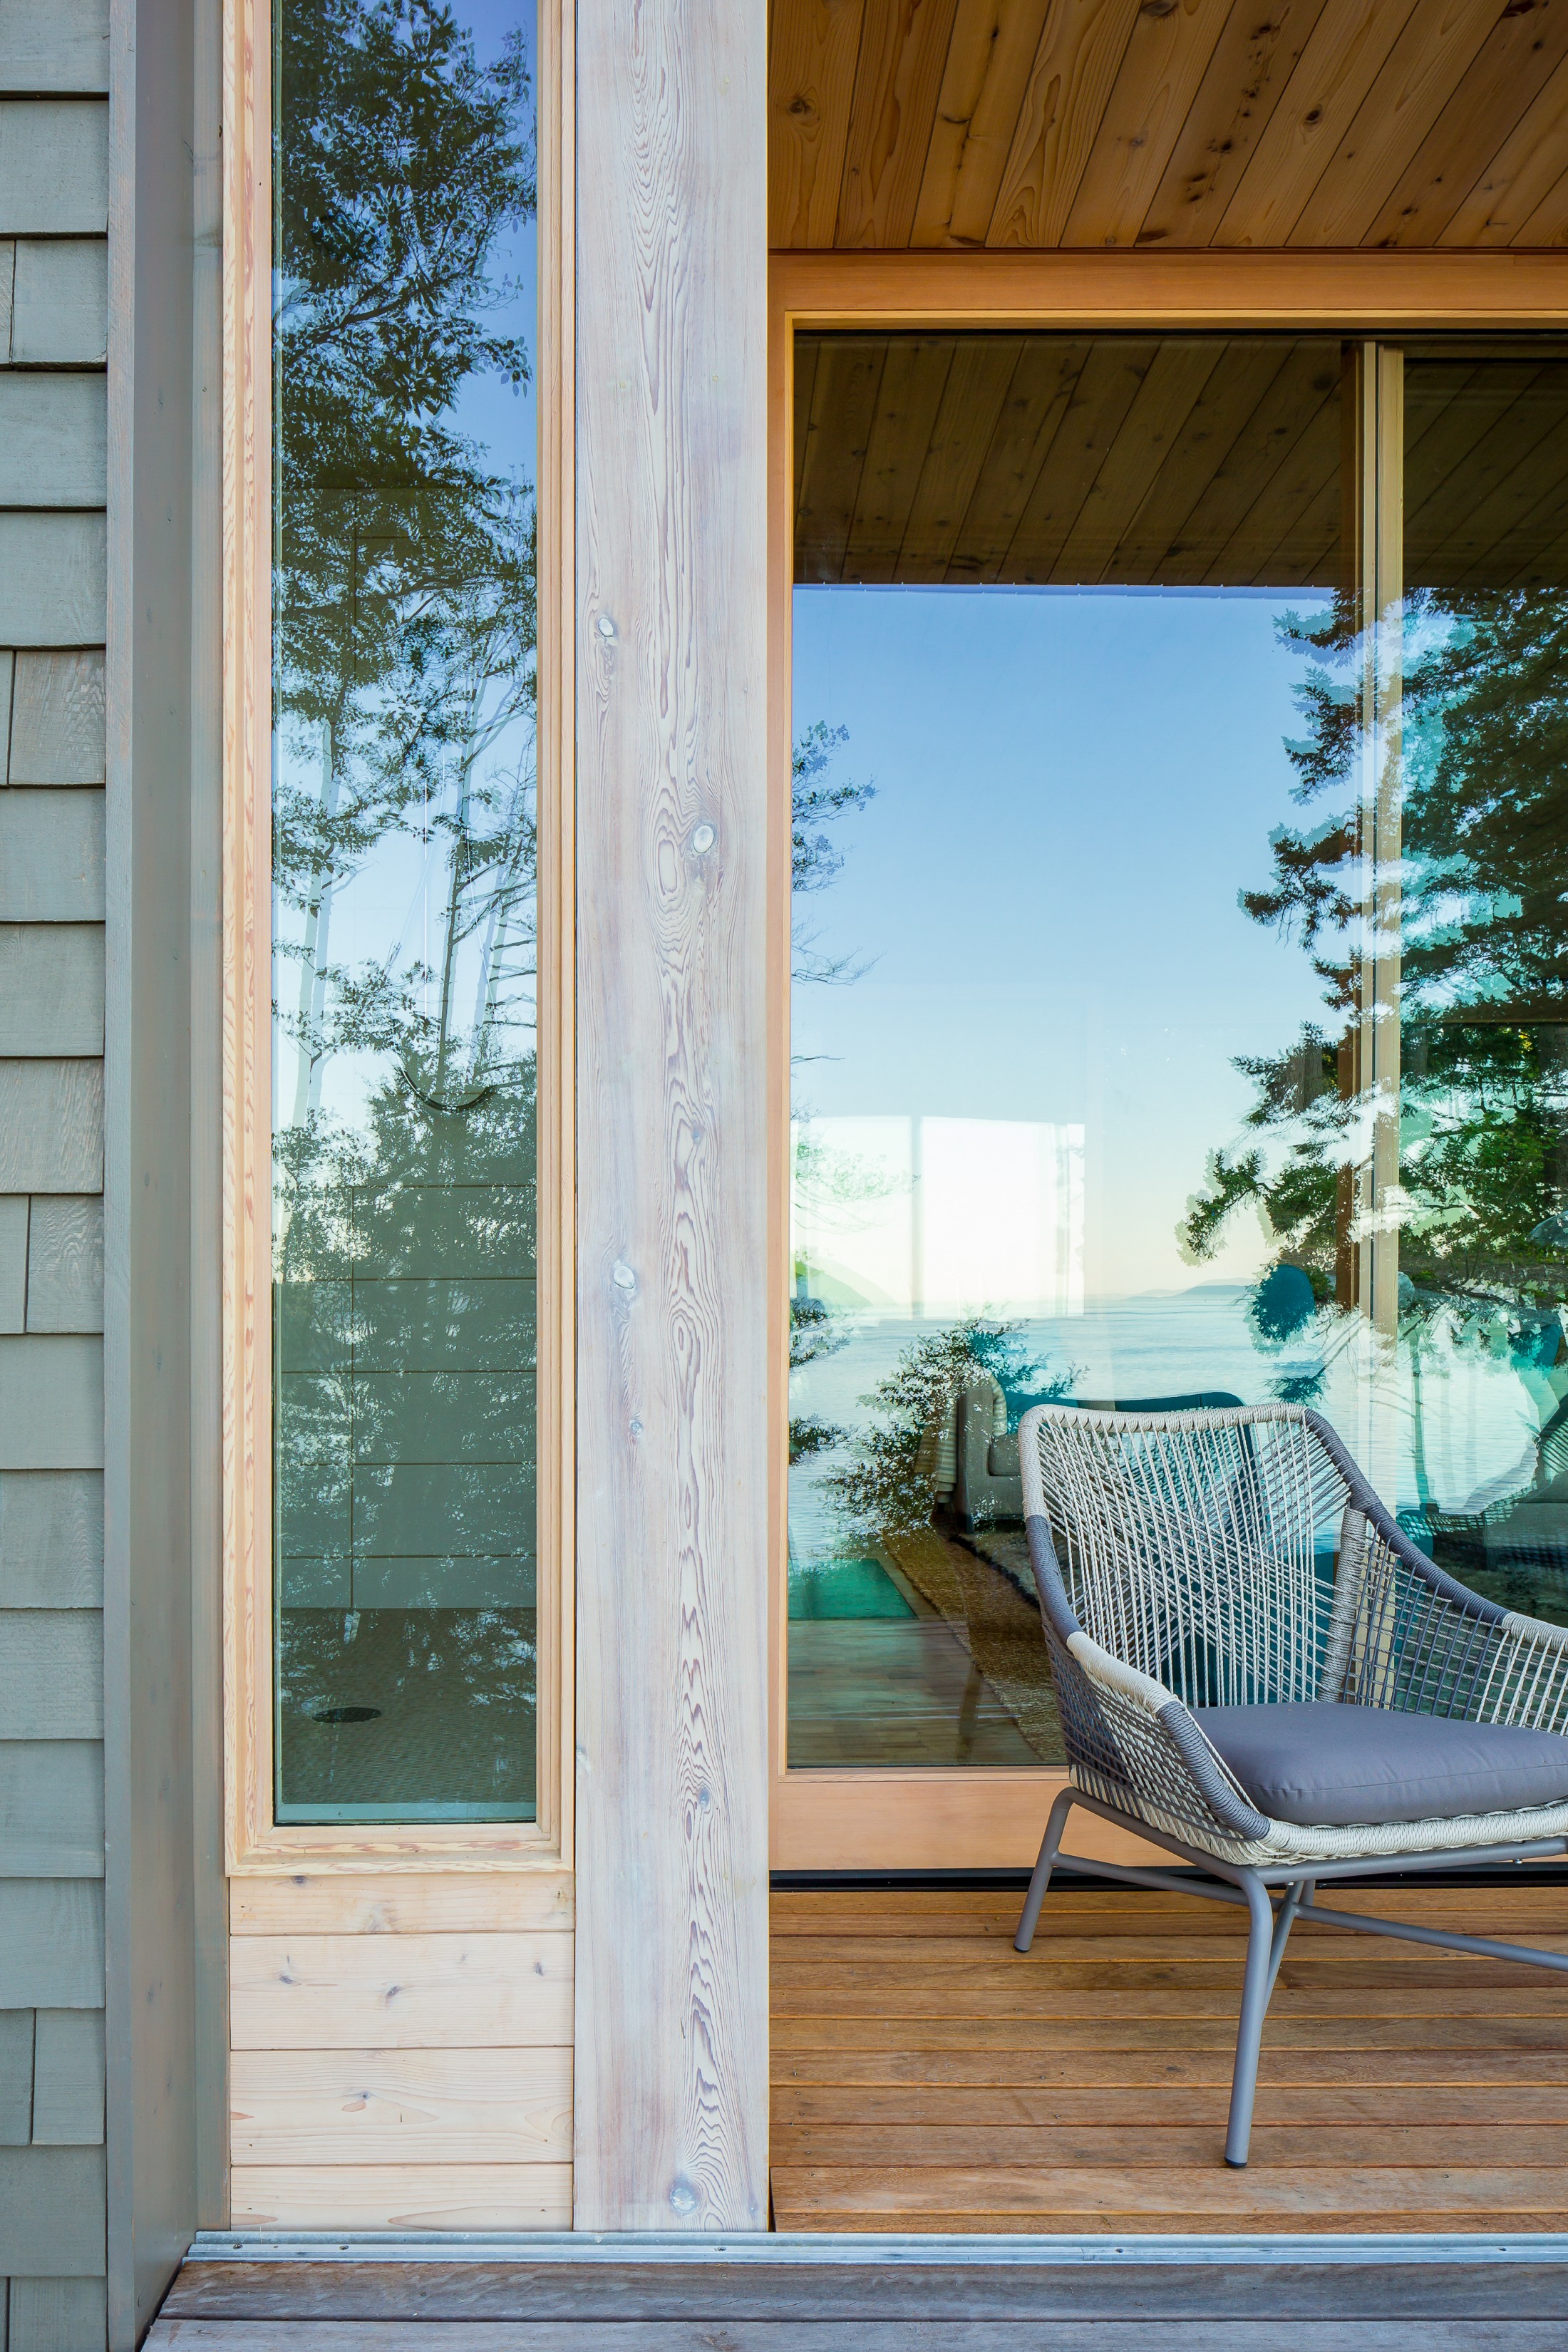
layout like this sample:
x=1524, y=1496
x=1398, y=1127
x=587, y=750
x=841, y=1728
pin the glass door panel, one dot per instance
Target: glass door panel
x=1483, y=959
x=1069, y=1090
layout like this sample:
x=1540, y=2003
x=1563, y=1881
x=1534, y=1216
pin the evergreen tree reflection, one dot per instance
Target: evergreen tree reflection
x=405, y=814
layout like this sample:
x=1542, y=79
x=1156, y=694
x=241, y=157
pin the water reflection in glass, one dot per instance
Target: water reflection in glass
x=404, y=877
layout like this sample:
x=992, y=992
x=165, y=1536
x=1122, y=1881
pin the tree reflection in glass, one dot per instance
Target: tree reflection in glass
x=404, y=895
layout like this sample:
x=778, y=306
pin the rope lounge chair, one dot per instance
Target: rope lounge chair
x=1257, y=1670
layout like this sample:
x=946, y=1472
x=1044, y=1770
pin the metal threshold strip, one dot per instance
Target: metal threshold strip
x=828, y=2249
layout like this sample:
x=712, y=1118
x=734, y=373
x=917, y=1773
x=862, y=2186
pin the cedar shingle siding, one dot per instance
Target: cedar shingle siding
x=54, y=70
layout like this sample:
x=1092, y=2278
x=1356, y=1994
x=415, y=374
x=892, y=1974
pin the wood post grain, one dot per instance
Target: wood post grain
x=672, y=279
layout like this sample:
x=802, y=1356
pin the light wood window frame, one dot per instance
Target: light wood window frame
x=967, y=1817
x=255, y=1841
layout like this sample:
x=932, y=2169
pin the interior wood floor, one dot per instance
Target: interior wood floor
x=928, y=2077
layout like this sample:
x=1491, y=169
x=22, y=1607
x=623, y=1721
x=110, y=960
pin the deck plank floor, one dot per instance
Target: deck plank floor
x=928, y=2077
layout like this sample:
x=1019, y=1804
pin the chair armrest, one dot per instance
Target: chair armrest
x=1153, y=1745
x=1405, y=1634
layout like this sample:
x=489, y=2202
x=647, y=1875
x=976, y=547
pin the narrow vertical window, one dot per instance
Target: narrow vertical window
x=403, y=897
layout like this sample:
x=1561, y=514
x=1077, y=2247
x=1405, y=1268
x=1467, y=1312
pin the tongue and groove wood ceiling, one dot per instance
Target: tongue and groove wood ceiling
x=1036, y=123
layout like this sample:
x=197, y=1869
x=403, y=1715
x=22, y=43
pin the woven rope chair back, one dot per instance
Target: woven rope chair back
x=1198, y=1547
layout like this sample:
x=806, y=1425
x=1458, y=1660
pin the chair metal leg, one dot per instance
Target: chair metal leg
x=1256, y=1987
x=1284, y=1920
x=1050, y=1845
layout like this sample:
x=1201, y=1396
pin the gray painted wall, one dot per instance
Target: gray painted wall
x=54, y=149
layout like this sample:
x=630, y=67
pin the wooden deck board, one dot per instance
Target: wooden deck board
x=928, y=2077
x=830, y=2334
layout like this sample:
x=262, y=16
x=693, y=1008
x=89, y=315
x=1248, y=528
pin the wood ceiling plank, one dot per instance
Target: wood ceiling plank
x=982, y=368
x=1313, y=558
x=1300, y=503
x=1160, y=409
x=994, y=45
x=1517, y=61
x=904, y=47
x=1346, y=50
x=1070, y=86
x=1246, y=76
x=843, y=405
x=1519, y=177
x=908, y=404
x=1307, y=380
x=807, y=349
x=1112, y=376
x=1431, y=389
x=810, y=84
x=1036, y=402
x=1488, y=427
x=1432, y=60
x=1228, y=400
x=1496, y=535
x=1545, y=565
x=1160, y=75
x=1548, y=224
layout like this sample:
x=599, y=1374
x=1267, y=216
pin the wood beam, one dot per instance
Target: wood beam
x=671, y=276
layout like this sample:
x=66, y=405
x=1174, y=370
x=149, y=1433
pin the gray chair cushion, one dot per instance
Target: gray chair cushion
x=1345, y=1765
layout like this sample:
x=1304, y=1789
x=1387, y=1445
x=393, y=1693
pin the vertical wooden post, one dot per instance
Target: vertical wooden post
x=672, y=1070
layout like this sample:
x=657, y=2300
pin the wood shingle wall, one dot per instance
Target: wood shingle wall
x=54, y=73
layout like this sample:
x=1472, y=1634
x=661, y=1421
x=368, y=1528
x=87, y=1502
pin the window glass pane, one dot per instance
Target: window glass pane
x=1482, y=894
x=1068, y=1089
x=404, y=911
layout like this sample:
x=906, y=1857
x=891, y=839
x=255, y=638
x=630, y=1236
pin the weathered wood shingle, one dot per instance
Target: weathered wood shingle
x=60, y=308
x=54, y=167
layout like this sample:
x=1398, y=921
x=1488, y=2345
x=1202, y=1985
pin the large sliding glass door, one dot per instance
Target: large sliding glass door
x=1179, y=1009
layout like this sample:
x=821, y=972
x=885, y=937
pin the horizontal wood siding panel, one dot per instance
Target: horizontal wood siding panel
x=52, y=592
x=51, y=1539
x=54, y=167
x=61, y=46
x=51, y=857
x=400, y=2107
x=67, y=2078
x=51, y=2208
x=51, y=1946
x=51, y=988
x=401, y=1903
x=52, y=1808
x=49, y=2314
x=13, y=1261
x=56, y=719
x=390, y=2197
x=54, y=440
x=16, y=2077
x=51, y=1403
x=64, y=1262
x=51, y=1126
x=360, y=1992
x=59, y=309
x=51, y=1673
